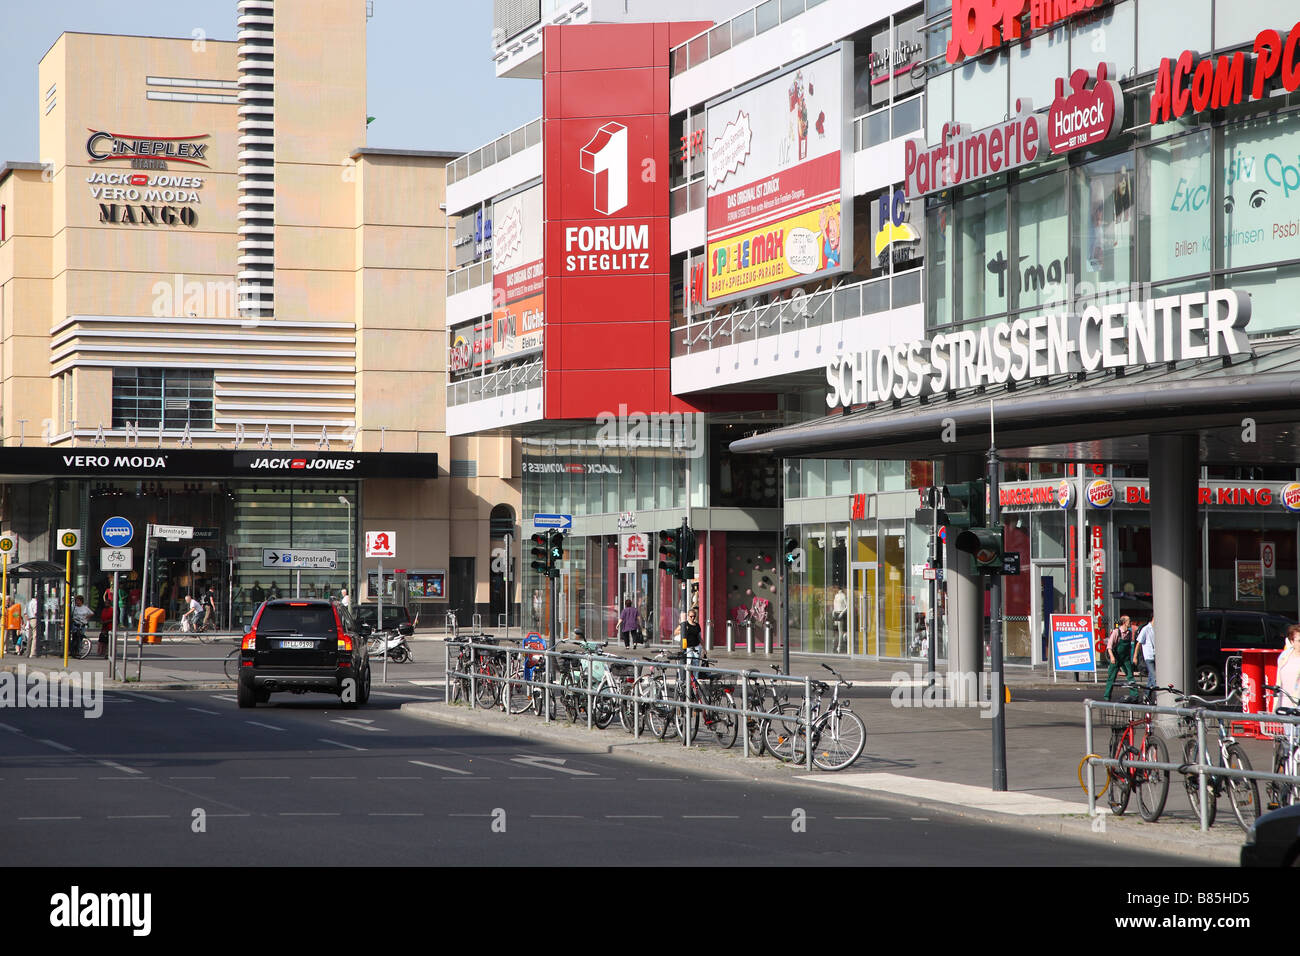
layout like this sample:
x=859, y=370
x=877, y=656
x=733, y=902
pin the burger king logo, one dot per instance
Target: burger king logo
x=1063, y=494
x=1291, y=497
x=1101, y=493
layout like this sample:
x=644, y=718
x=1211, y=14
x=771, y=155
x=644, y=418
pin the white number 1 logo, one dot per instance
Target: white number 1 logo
x=605, y=157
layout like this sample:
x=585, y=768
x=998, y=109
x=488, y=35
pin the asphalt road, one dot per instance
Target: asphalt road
x=187, y=778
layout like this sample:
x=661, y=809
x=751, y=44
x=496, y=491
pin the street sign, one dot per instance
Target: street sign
x=69, y=539
x=319, y=560
x=553, y=521
x=9, y=544
x=1268, y=558
x=116, y=559
x=634, y=546
x=381, y=544
x=117, y=532
x=1072, y=647
x=1010, y=562
x=172, y=532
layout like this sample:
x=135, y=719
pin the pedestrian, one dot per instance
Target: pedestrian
x=257, y=595
x=1146, y=641
x=537, y=608
x=629, y=624
x=1288, y=670
x=1119, y=650
x=190, y=616
x=14, y=622
x=345, y=600
x=81, y=612
x=210, y=608
x=274, y=593
x=689, y=629
x=32, y=622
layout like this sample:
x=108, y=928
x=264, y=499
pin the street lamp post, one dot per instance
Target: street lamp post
x=343, y=500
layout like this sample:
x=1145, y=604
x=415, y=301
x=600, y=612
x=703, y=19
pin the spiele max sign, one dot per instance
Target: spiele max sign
x=1167, y=329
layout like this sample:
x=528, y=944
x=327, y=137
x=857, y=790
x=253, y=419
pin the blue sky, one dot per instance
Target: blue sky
x=431, y=82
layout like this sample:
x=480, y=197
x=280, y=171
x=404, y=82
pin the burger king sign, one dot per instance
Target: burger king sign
x=1290, y=497
x=1101, y=493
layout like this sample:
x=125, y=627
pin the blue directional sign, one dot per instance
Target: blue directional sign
x=297, y=558
x=117, y=532
x=553, y=521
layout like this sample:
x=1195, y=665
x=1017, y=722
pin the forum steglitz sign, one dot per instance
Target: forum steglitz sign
x=1149, y=332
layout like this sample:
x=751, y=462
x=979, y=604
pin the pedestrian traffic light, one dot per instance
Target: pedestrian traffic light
x=542, y=552
x=964, y=504
x=555, y=551
x=986, y=546
x=688, y=552
x=791, y=552
x=670, y=545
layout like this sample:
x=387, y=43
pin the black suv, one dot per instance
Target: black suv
x=394, y=616
x=1217, y=630
x=302, y=646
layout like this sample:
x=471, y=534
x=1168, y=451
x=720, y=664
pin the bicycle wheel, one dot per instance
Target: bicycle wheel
x=1243, y=791
x=1121, y=782
x=232, y=665
x=1191, y=783
x=785, y=733
x=1153, y=785
x=487, y=692
x=205, y=633
x=519, y=694
x=659, y=713
x=679, y=721
x=841, y=741
x=724, y=726
x=603, y=708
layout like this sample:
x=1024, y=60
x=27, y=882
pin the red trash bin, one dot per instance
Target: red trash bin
x=1258, y=667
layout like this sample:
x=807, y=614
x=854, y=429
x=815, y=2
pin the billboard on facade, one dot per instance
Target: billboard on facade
x=470, y=346
x=779, y=185
x=894, y=56
x=518, y=275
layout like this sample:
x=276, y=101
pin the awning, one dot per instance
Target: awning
x=1098, y=417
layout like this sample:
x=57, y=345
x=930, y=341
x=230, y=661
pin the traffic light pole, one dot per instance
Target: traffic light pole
x=995, y=627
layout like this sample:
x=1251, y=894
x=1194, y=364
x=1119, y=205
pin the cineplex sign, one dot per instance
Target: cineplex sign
x=1167, y=329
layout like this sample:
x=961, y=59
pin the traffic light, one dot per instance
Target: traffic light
x=964, y=504
x=555, y=551
x=791, y=552
x=542, y=551
x=670, y=543
x=688, y=552
x=986, y=545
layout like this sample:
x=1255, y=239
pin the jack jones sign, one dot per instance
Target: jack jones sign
x=1167, y=329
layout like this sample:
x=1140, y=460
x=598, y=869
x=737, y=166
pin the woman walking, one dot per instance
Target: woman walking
x=629, y=624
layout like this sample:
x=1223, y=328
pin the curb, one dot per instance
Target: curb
x=1119, y=833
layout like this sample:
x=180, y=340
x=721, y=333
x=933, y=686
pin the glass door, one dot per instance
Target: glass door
x=863, y=617
x=894, y=612
x=1048, y=597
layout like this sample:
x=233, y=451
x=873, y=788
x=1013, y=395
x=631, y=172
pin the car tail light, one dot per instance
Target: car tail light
x=250, y=641
x=345, y=642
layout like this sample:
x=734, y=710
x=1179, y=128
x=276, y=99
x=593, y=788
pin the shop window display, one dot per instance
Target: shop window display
x=1260, y=211
x=1177, y=204
x=1103, y=227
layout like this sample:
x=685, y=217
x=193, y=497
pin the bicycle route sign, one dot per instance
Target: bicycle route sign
x=115, y=559
x=291, y=558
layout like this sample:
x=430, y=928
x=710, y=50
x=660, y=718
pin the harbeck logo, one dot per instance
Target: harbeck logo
x=1088, y=115
x=605, y=157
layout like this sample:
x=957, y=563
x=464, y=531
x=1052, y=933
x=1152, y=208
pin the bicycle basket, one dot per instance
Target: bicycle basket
x=1119, y=718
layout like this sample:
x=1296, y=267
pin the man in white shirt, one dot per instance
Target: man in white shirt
x=192, y=609
x=30, y=623
x=1146, y=640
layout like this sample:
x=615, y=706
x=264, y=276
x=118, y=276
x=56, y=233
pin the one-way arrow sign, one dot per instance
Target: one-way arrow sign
x=549, y=763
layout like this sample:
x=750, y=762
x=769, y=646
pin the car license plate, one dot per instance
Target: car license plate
x=297, y=645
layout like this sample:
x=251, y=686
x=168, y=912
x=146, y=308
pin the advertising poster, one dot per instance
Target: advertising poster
x=779, y=208
x=518, y=275
x=1250, y=581
x=471, y=346
x=1072, y=643
x=634, y=546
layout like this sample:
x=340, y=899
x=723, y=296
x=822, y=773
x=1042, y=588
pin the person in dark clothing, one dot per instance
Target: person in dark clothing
x=257, y=594
x=690, y=634
x=629, y=624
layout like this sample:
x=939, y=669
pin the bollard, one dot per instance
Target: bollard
x=731, y=636
x=749, y=636
x=767, y=637
x=708, y=636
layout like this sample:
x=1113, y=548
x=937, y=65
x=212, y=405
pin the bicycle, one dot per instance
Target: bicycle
x=232, y=664
x=713, y=692
x=1151, y=785
x=1286, y=754
x=1243, y=792
x=837, y=735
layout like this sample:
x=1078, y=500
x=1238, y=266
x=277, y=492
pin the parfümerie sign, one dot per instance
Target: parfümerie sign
x=1144, y=332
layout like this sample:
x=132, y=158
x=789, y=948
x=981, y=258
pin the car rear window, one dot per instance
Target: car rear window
x=1243, y=630
x=303, y=619
x=1207, y=627
x=393, y=616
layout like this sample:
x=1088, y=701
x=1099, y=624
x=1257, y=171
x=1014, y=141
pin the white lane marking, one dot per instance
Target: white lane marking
x=851, y=818
x=156, y=700
x=394, y=814
x=140, y=816
x=49, y=818
x=530, y=778
x=384, y=693
x=401, y=778
x=263, y=778
x=57, y=746
x=660, y=779
x=337, y=744
x=549, y=763
x=116, y=766
x=554, y=816
x=230, y=814
x=193, y=778
x=708, y=816
x=921, y=819
x=49, y=778
x=267, y=726
x=222, y=697
x=469, y=814
x=360, y=723
x=200, y=710
x=633, y=816
x=438, y=766
x=305, y=813
x=12, y=730
x=331, y=778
